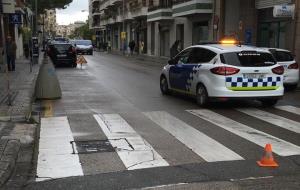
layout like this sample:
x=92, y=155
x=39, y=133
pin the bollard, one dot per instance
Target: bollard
x=47, y=84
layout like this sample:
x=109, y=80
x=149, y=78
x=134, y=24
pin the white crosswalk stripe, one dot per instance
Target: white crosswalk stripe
x=280, y=147
x=55, y=159
x=273, y=119
x=206, y=147
x=290, y=109
x=133, y=150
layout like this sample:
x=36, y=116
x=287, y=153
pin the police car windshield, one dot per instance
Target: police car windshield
x=248, y=59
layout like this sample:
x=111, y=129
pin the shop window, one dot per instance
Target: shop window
x=200, y=32
x=272, y=34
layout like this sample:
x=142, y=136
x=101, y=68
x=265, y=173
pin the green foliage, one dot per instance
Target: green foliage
x=49, y=4
x=82, y=32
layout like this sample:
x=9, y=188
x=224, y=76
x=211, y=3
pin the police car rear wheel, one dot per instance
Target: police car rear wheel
x=201, y=95
x=268, y=102
x=164, y=86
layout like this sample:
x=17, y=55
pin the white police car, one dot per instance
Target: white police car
x=291, y=67
x=222, y=71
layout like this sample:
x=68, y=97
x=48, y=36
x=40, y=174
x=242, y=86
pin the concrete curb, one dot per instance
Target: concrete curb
x=9, y=149
x=143, y=57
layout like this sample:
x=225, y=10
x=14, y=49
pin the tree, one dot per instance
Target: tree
x=82, y=32
x=49, y=4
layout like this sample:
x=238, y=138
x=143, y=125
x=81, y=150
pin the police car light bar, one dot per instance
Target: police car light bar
x=228, y=41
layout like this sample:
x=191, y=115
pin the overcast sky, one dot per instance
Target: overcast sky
x=73, y=12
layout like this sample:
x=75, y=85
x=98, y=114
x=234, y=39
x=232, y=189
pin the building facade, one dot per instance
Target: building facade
x=16, y=23
x=67, y=30
x=155, y=25
x=50, y=22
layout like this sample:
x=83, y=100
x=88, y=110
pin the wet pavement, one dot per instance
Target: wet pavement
x=158, y=140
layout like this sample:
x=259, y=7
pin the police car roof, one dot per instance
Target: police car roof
x=225, y=48
x=277, y=49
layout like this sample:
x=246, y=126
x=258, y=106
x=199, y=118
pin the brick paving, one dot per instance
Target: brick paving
x=21, y=88
x=16, y=136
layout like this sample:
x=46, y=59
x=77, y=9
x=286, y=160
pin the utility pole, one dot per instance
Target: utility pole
x=124, y=37
x=36, y=14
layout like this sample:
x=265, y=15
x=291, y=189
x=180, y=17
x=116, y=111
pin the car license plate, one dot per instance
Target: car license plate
x=62, y=55
x=253, y=76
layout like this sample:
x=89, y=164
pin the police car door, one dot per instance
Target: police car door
x=201, y=61
x=178, y=72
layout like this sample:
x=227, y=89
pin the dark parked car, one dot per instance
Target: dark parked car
x=84, y=46
x=62, y=53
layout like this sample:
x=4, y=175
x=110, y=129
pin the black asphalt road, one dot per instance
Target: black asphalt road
x=129, y=86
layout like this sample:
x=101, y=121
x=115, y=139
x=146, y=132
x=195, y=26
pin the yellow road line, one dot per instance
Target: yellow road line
x=48, y=108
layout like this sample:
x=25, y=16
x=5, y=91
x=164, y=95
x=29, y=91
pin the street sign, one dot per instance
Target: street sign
x=8, y=6
x=123, y=35
x=81, y=60
x=284, y=11
x=15, y=18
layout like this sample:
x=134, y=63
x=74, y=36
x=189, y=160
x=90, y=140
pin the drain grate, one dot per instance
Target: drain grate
x=88, y=147
x=4, y=97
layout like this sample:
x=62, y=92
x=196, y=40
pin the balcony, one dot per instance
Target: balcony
x=104, y=4
x=139, y=12
x=163, y=11
x=96, y=11
x=190, y=7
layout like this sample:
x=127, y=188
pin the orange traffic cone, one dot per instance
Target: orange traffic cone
x=267, y=160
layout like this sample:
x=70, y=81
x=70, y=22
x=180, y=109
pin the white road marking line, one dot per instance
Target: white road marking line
x=252, y=178
x=291, y=109
x=55, y=159
x=273, y=119
x=280, y=146
x=133, y=150
x=206, y=147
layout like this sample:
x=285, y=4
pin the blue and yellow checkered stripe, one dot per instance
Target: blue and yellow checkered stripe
x=240, y=83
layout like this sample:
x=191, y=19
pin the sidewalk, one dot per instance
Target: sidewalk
x=21, y=91
x=141, y=57
x=16, y=135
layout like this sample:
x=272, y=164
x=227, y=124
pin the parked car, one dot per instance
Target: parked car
x=291, y=67
x=224, y=71
x=62, y=53
x=61, y=39
x=84, y=46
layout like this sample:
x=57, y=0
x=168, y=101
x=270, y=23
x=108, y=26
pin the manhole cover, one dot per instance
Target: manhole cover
x=88, y=147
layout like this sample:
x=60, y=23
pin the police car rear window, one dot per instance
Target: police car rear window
x=282, y=56
x=248, y=59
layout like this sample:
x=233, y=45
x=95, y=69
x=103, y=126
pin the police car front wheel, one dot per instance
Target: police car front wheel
x=164, y=85
x=201, y=95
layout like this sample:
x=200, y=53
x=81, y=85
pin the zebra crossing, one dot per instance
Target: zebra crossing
x=136, y=150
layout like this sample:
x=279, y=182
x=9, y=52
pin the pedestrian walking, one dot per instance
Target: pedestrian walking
x=174, y=50
x=131, y=46
x=11, y=50
x=142, y=46
x=108, y=46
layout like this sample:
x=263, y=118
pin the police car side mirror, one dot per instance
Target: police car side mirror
x=172, y=62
